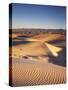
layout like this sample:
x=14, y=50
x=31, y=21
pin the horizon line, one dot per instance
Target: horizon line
x=41, y=28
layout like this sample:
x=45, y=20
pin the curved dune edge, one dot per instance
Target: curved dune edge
x=37, y=73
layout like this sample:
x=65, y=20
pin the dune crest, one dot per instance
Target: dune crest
x=54, y=50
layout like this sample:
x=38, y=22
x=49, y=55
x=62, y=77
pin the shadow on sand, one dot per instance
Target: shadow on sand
x=60, y=59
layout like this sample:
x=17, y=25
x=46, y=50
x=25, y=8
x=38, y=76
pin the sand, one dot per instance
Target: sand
x=36, y=73
x=35, y=48
x=31, y=62
x=49, y=37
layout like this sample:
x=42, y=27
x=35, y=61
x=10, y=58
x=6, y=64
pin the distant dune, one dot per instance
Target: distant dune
x=49, y=37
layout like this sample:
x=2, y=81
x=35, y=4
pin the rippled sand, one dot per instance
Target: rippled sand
x=31, y=65
x=36, y=73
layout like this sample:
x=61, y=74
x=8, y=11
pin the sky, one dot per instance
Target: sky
x=38, y=16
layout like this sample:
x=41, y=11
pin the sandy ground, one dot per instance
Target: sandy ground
x=30, y=63
x=31, y=66
x=35, y=48
x=36, y=73
x=49, y=37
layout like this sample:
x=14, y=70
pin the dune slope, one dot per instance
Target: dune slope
x=36, y=73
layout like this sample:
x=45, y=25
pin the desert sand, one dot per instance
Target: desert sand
x=32, y=61
x=27, y=72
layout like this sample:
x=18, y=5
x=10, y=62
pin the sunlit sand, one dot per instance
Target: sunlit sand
x=31, y=63
x=36, y=73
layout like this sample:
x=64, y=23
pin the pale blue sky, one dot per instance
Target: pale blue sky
x=38, y=16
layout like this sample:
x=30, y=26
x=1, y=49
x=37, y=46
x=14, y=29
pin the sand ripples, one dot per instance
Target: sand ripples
x=37, y=74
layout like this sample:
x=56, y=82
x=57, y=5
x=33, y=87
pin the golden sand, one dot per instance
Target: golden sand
x=35, y=69
x=36, y=73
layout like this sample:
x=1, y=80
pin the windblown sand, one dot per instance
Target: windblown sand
x=27, y=72
x=30, y=67
x=29, y=49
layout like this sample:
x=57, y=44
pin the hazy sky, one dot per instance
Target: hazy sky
x=38, y=16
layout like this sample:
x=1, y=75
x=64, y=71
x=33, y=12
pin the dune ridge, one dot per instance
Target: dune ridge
x=36, y=62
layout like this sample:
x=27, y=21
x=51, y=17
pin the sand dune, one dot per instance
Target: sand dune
x=36, y=73
x=30, y=49
x=53, y=49
x=31, y=62
x=49, y=37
